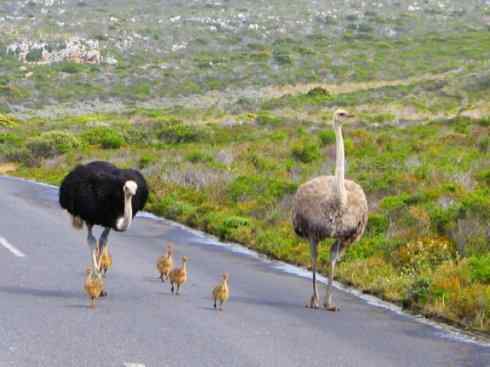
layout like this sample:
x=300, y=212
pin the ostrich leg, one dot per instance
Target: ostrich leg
x=103, y=243
x=92, y=243
x=334, y=255
x=314, y=300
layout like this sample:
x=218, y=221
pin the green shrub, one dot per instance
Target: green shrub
x=306, y=151
x=259, y=188
x=327, y=137
x=22, y=155
x=441, y=218
x=176, y=133
x=265, y=118
x=484, y=177
x=282, y=58
x=377, y=224
x=480, y=268
x=425, y=253
x=6, y=121
x=478, y=203
x=10, y=138
x=146, y=160
x=483, y=143
x=418, y=293
x=53, y=143
x=395, y=202
x=318, y=92
x=262, y=163
x=172, y=208
x=105, y=137
x=34, y=55
x=196, y=156
x=228, y=225
x=71, y=68
x=366, y=247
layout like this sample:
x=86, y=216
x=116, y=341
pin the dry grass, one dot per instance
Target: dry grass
x=277, y=91
x=7, y=167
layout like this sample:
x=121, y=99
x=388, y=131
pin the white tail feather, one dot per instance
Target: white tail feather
x=76, y=222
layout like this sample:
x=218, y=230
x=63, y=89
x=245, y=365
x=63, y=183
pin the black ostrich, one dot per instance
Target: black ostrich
x=99, y=193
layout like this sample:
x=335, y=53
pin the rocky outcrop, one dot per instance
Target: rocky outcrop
x=77, y=50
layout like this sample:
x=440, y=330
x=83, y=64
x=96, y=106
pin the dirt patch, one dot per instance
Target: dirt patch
x=7, y=167
x=279, y=91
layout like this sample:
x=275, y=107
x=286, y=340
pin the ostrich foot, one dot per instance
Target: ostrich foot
x=314, y=303
x=103, y=294
x=331, y=307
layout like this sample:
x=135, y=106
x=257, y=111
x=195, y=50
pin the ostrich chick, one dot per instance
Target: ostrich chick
x=221, y=292
x=105, y=260
x=94, y=285
x=178, y=276
x=165, y=264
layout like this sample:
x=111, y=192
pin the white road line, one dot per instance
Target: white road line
x=11, y=247
x=128, y=364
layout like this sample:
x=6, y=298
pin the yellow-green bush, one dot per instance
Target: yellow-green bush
x=52, y=143
x=418, y=255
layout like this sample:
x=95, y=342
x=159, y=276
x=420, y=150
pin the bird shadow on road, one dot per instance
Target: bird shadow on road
x=153, y=280
x=211, y=308
x=166, y=293
x=78, y=306
x=257, y=302
x=33, y=292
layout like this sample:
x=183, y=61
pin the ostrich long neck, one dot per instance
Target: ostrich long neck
x=128, y=212
x=339, y=165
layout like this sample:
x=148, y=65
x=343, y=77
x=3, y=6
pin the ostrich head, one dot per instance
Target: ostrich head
x=184, y=259
x=226, y=276
x=124, y=221
x=340, y=116
x=130, y=188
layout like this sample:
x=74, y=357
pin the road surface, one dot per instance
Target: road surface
x=44, y=319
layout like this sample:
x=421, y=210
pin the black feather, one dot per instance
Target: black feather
x=94, y=192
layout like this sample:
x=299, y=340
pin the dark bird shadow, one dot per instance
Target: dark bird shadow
x=33, y=292
x=86, y=307
x=154, y=280
x=256, y=302
x=169, y=294
x=208, y=309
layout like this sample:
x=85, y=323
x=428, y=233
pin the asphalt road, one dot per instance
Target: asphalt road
x=45, y=321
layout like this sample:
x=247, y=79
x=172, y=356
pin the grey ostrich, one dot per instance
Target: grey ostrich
x=330, y=207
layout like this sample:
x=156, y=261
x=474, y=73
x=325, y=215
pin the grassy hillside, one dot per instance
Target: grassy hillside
x=156, y=52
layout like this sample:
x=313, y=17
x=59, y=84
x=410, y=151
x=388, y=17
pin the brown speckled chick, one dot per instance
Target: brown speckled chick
x=221, y=292
x=94, y=285
x=165, y=264
x=178, y=276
